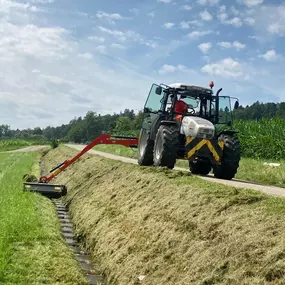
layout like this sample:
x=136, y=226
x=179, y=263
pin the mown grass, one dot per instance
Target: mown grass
x=32, y=250
x=172, y=227
x=250, y=169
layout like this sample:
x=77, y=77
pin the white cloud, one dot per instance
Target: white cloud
x=206, y=16
x=43, y=1
x=43, y=63
x=249, y=21
x=235, y=44
x=171, y=68
x=118, y=46
x=101, y=49
x=151, y=14
x=226, y=67
x=184, y=25
x=6, y=6
x=270, y=55
x=277, y=29
x=235, y=11
x=96, y=39
x=198, y=34
x=116, y=33
x=187, y=7
x=168, y=25
x=86, y=55
x=111, y=18
x=128, y=35
x=251, y=3
x=32, y=40
x=204, y=47
x=188, y=24
x=114, y=16
x=208, y=2
x=224, y=17
x=269, y=21
x=236, y=21
x=135, y=11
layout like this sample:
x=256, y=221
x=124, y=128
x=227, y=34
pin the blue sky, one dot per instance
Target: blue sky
x=61, y=58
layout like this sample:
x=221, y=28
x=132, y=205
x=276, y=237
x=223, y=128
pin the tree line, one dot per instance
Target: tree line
x=85, y=129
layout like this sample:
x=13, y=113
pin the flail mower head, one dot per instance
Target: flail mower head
x=52, y=191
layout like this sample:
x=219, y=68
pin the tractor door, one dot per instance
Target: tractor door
x=225, y=112
x=154, y=106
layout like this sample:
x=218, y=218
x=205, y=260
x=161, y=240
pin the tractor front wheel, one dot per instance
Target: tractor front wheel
x=166, y=146
x=231, y=157
x=145, y=149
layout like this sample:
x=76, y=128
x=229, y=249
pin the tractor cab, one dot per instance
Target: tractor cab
x=200, y=102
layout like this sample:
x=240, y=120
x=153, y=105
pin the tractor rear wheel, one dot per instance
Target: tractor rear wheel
x=145, y=149
x=231, y=157
x=166, y=146
x=200, y=167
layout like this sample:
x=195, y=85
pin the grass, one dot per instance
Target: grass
x=172, y=227
x=32, y=250
x=12, y=144
x=249, y=169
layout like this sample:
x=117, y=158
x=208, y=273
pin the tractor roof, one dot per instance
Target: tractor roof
x=186, y=87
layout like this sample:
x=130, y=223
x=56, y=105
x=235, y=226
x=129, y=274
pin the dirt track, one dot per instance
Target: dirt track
x=271, y=190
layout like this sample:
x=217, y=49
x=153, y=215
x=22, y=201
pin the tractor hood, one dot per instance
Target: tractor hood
x=197, y=127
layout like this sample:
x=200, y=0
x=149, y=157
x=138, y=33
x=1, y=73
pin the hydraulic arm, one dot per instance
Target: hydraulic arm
x=103, y=139
x=58, y=190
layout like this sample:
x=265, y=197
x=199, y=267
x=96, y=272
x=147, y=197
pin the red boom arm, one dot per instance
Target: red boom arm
x=103, y=139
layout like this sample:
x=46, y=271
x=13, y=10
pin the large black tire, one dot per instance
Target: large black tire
x=200, y=167
x=166, y=146
x=231, y=157
x=145, y=149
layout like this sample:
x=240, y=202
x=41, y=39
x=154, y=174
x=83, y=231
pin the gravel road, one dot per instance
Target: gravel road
x=271, y=190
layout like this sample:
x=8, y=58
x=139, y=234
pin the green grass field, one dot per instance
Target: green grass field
x=32, y=250
x=250, y=169
x=12, y=144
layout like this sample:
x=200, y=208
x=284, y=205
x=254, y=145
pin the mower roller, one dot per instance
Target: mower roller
x=43, y=185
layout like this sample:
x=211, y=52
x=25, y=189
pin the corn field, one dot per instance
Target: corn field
x=263, y=139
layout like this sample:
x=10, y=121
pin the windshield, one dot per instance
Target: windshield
x=190, y=101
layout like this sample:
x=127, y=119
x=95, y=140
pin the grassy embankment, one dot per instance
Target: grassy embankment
x=250, y=169
x=32, y=250
x=171, y=227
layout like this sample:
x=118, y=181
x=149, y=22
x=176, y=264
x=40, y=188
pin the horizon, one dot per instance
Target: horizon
x=61, y=59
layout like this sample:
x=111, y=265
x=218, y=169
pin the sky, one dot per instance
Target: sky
x=60, y=59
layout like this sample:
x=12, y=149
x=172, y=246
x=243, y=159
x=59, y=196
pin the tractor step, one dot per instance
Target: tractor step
x=47, y=190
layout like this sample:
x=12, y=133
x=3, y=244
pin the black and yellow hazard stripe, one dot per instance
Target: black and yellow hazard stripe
x=196, y=146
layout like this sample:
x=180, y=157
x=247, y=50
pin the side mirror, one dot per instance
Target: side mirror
x=236, y=105
x=158, y=90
